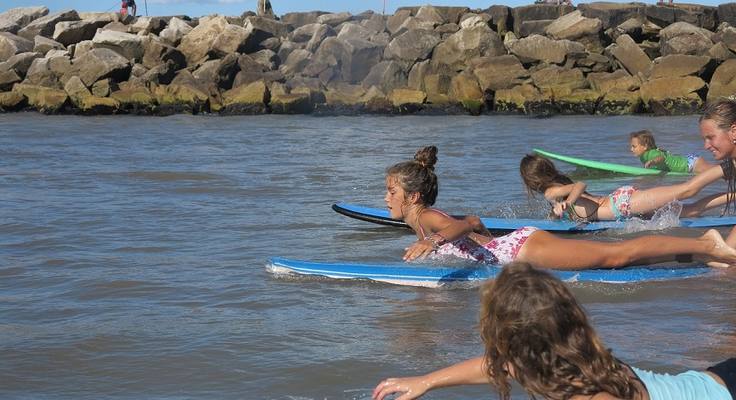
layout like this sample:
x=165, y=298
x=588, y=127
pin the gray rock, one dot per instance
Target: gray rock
x=267, y=58
x=161, y=74
x=174, y=31
x=305, y=32
x=471, y=19
x=14, y=19
x=611, y=14
x=573, y=26
x=43, y=45
x=414, y=45
x=146, y=25
x=466, y=44
x=221, y=72
x=287, y=48
x=720, y=52
x=117, y=27
x=11, y=45
x=727, y=13
x=685, y=44
x=540, y=48
x=7, y=79
x=447, y=29
x=297, y=60
x=354, y=31
x=246, y=63
x=198, y=42
x=101, y=63
x=232, y=39
x=376, y=23
x=501, y=72
x=322, y=33
x=396, y=20
x=630, y=55
x=297, y=19
x=69, y=32
x=20, y=63
x=417, y=74
x=536, y=12
x=535, y=27
x=156, y=51
x=348, y=61
x=723, y=82
x=334, y=19
x=76, y=89
x=678, y=65
x=44, y=26
x=82, y=47
x=430, y=14
x=125, y=44
x=386, y=75
x=260, y=29
x=609, y=81
x=500, y=18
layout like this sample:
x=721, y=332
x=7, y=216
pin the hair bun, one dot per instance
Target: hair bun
x=426, y=156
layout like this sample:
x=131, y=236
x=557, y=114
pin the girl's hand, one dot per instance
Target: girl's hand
x=648, y=164
x=411, y=387
x=420, y=249
x=559, y=208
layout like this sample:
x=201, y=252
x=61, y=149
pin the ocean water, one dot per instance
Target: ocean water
x=133, y=254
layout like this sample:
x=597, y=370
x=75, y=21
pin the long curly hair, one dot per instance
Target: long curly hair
x=723, y=113
x=539, y=173
x=534, y=329
x=417, y=176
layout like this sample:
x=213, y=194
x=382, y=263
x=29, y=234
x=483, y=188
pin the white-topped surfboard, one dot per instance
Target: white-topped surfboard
x=381, y=216
x=435, y=276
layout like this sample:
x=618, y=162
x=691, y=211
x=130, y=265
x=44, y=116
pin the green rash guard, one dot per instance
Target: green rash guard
x=672, y=162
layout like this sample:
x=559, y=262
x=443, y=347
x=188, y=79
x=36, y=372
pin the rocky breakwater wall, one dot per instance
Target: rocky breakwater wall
x=605, y=58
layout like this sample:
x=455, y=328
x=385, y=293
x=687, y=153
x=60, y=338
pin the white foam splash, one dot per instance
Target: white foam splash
x=668, y=216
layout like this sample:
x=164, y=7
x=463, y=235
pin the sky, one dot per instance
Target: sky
x=196, y=8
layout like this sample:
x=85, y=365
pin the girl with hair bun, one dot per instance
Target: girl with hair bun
x=411, y=190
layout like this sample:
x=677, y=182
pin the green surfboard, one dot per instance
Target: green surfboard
x=604, y=166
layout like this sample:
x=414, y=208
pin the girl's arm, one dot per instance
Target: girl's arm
x=706, y=203
x=571, y=193
x=655, y=162
x=469, y=372
x=444, y=229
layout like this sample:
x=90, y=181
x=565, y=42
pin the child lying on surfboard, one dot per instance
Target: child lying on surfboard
x=535, y=332
x=411, y=190
x=570, y=200
x=643, y=146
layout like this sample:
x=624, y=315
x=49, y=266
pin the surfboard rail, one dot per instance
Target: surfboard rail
x=606, y=166
x=432, y=276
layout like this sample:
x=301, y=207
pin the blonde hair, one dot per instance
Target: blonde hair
x=645, y=138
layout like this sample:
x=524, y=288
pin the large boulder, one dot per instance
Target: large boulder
x=540, y=48
x=334, y=19
x=8, y=78
x=198, y=42
x=354, y=31
x=247, y=99
x=414, y=45
x=70, y=32
x=45, y=25
x=48, y=71
x=465, y=90
x=396, y=21
x=175, y=98
x=348, y=61
x=536, y=12
x=20, y=62
x=678, y=65
x=500, y=18
x=619, y=79
x=43, y=45
x=501, y=72
x=297, y=19
x=723, y=82
x=232, y=39
x=221, y=72
x=260, y=29
x=727, y=13
x=135, y=100
x=319, y=35
x=558, y=80
x=620, y=102
x=673, y=95
x=431, y=14
x=524, y=98
x=12, y=101
x=44, y=99
x=305, y=32
x=572, y=26
x=156, y=52
x=386, y=75
x=101, y=63
x=611, y=14
x=466, y=44
x=14, y=19
x=125, y=44
x=297, y=60
x=631, y=56
x=685, y=38
x=175, y=30
x=11, y=45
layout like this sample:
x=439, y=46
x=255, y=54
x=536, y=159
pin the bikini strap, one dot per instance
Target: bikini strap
x=421, y=229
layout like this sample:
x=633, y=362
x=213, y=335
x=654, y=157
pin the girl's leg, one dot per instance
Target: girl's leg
x=647, y=200
x=545, y=250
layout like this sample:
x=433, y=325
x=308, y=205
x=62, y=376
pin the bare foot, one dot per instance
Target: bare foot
x=721, y=251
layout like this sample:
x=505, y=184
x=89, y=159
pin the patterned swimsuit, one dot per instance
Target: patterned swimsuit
x=500, y=250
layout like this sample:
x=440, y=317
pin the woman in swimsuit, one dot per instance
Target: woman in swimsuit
x=411, y=190
x=536, y=333
x=569, y=198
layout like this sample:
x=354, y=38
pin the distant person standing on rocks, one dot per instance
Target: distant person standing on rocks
x=661, y=2
x=124, y=7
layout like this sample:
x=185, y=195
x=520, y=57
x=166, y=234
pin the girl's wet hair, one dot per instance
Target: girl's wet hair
x=417, y=176
x=532, y=325
x=539, y=173
x=645, y=138
x=723, y=113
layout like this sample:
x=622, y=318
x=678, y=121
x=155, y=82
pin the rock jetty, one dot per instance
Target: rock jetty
x=598, y=58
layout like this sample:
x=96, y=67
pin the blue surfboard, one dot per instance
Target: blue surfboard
x=381, y=216
x=435, y=276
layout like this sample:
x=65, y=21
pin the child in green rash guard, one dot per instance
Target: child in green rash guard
x=643, y=146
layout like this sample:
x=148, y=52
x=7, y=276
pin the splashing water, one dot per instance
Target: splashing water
x=668, y=216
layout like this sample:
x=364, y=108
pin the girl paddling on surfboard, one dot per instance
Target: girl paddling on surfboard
x=411, y=190
x=570, y=200
x=642, y=145
x=535, y=332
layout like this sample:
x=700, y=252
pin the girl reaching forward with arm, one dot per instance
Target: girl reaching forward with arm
x=411, y=190
x=570, y=198
x=535, y=332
